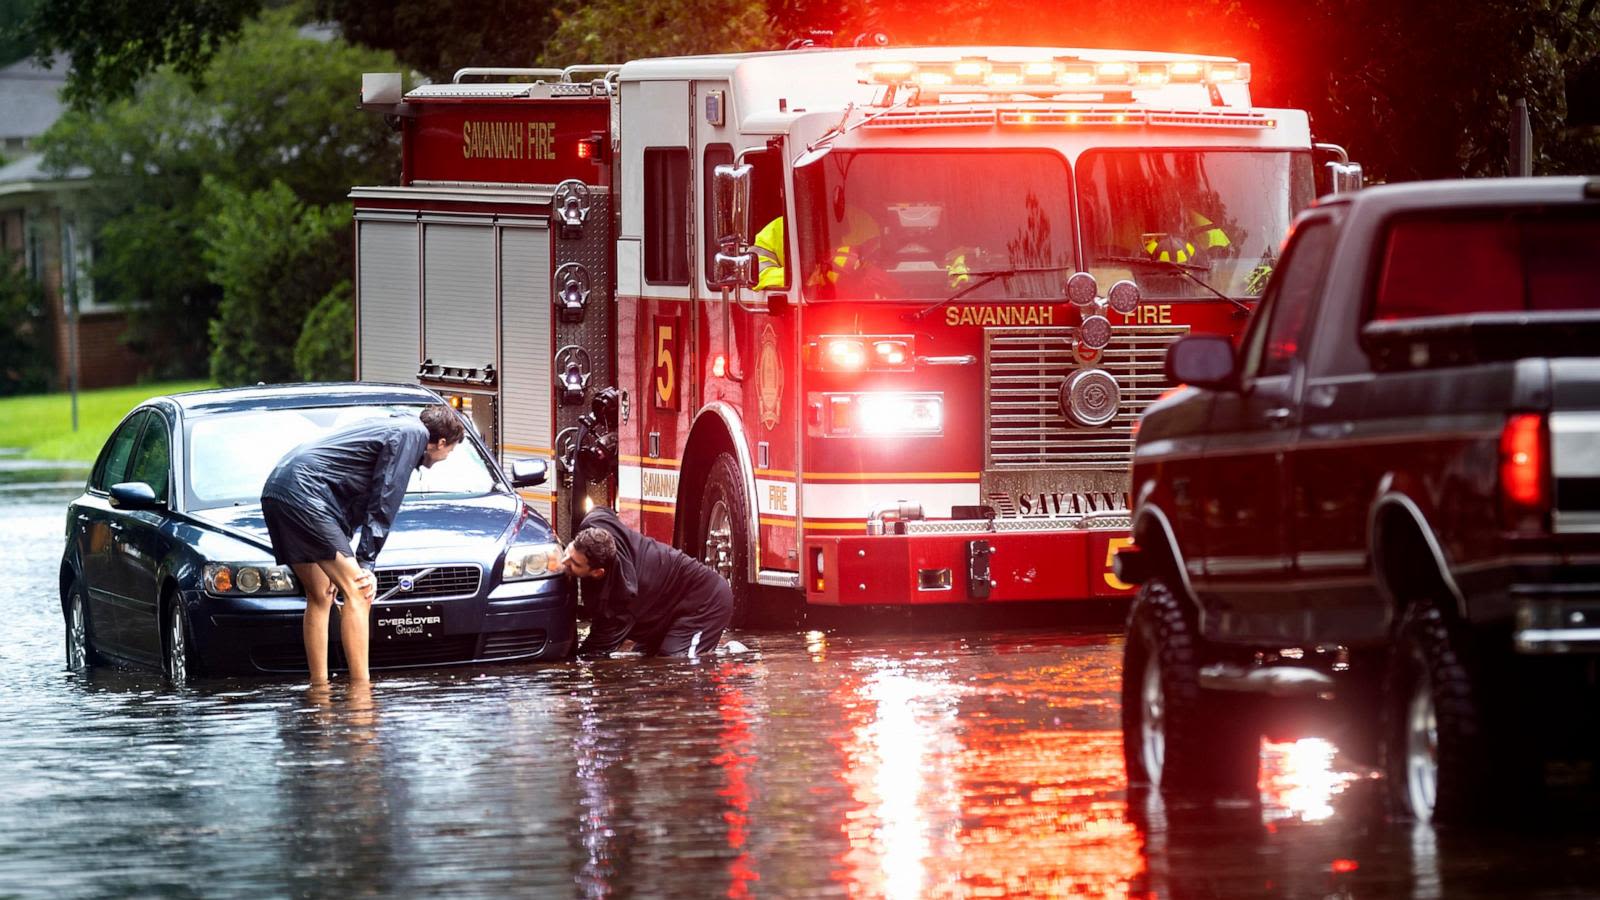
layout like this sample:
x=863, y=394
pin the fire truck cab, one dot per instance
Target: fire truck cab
x=871, y=325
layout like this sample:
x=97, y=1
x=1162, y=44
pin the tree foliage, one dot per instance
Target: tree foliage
x=274, y=258
x=326, y=349
x=275, y=108
x=614, y=31
x=112, y=44
x=437, y=38
x=26, y=362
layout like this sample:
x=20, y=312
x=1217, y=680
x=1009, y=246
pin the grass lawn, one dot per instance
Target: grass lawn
x=41, y=424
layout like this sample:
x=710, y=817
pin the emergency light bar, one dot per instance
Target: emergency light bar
x=1065, y=73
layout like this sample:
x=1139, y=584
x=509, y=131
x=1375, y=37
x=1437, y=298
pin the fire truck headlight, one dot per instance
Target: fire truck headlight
x=1123, y=297
x=1095, y=332
x=844, y=354
x=901, y=414
x=525, y=561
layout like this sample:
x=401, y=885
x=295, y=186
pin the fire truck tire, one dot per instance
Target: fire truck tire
x=1177, y=737
x=723, y=538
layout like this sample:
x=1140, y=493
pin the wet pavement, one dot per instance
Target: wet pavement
x=864, y=761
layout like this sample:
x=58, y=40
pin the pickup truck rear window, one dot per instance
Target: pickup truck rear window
x=1519, y=261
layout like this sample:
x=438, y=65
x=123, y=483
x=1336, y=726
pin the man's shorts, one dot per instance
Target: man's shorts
x=302, y=532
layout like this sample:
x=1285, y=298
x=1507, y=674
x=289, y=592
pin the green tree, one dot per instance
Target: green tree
x=437, y=38
x=326, y=349
x=274, y=258
x=113, y=44
x=26, y=364
x=276, y=107
x=14, y=44
x=614, y=31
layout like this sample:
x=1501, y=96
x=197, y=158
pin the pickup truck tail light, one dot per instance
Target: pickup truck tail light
x=1525, y=473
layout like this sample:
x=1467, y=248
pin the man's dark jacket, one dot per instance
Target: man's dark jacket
x=650, y=586
x=358, y=475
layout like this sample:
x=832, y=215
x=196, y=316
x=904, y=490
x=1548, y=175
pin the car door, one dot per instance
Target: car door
x=94, y=526
x=143, y=540
x=1248, y=567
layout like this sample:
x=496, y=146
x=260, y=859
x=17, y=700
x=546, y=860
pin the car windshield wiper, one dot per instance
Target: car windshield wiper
x=979, y=279
x=1187, y=270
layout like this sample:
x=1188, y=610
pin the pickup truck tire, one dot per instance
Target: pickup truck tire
x=1176, y=737
x=1435, y=745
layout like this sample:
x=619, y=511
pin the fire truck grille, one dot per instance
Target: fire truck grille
x=1026, y=429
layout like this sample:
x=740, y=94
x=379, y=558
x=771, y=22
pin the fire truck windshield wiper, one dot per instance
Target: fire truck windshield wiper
x=979, y=279
x=1187, y=270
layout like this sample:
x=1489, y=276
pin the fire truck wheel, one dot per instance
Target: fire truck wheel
x=1177, y=737
x=724, y=538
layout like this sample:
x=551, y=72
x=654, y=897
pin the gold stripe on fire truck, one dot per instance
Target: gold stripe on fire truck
x=659, y=461
x=522, y=449
x=892, y=476
x=647, y=507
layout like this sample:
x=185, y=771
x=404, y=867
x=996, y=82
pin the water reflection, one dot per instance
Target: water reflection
x=828, y=764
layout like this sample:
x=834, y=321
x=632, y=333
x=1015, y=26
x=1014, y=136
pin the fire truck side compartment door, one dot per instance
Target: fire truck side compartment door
x=387, y=314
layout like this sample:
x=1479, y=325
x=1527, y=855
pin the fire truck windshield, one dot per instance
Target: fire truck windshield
x=925, y=225
x=1171, y=219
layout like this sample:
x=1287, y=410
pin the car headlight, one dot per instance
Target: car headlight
x=233, y=579
x=531, y=561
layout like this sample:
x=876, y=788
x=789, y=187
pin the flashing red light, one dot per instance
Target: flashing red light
x=585, y=150
x=1345, y=866
x=1524, y=479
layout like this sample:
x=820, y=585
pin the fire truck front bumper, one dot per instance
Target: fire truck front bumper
x=954, y=562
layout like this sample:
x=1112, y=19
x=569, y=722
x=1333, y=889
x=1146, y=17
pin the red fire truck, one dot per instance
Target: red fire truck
x=870, y=325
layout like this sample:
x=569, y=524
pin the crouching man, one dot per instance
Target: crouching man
x=666, y=602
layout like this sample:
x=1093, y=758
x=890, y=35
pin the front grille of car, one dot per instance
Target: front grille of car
x=1026, y=367
x=288, y=657
x=508, y=644
x=430, y=582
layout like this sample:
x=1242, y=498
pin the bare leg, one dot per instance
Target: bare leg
x=358, y=589
x=314, y=628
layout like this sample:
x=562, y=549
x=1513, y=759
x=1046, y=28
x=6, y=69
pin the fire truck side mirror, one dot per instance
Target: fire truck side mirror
x=731, y=194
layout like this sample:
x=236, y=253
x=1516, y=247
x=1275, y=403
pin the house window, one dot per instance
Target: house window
x=666, y=215
x=77, y=264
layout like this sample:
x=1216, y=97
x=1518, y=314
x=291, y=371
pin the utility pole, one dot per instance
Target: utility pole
x=1521, y=140
x=69, y=305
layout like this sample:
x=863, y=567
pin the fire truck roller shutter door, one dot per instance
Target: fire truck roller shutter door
x=526, y=349
x=386, y=308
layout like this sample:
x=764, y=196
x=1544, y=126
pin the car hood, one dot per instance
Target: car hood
x=469, y=526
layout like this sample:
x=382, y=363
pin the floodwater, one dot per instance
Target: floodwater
x=857, y=762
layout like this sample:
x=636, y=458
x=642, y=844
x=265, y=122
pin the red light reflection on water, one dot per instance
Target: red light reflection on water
x=978, y=789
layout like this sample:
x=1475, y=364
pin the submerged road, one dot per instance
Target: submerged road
x=853, y=762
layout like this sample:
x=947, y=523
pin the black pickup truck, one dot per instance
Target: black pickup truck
x=1385, y=503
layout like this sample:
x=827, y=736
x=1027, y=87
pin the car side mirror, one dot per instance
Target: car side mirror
x=1204, y=361
x=135, y=495
x=528, y=472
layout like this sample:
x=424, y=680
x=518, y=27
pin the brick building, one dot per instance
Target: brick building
x=40, y=219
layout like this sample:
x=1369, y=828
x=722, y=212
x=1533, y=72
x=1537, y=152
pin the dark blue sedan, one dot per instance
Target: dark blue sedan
x=168, y=564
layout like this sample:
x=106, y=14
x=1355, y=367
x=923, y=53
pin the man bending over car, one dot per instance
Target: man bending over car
x=325, y=489
x=666, y=602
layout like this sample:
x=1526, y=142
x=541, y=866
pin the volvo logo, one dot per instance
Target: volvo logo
x=407, y=583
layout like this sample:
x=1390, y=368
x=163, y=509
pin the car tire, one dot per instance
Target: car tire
x=80, y=652
x=1435, y=751
x=179, y=661
x=1177, y=737
x=723, y=536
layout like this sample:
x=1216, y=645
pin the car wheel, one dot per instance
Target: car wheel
x=724, y=534
x=1177, y=737
x=81, y=655
x=1435, y=753
x=178, y=657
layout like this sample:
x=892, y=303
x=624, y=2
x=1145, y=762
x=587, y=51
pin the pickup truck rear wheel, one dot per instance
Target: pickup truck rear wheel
x=1177, y=737
x=1435, y=746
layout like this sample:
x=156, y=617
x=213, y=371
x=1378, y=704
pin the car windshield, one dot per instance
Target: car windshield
x=1171, y=219
x=925, y=225
x=230, y=455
